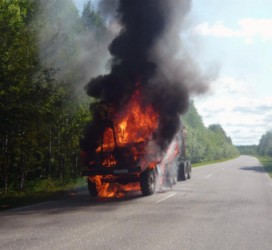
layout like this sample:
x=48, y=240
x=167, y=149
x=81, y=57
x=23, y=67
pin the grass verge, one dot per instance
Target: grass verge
x=211, y=162
x=267, y=163
x=43, y=191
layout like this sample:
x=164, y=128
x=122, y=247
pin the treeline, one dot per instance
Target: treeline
x=47, y=53
x=206, y=144
x=42, y=108
x=264, y=148
x=265, y=145
x=248, y=149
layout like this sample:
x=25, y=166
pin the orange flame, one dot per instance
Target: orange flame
x=132, y=125
x=109, y=190
x=137, y=121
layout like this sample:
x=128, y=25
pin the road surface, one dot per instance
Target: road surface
x=224, y=206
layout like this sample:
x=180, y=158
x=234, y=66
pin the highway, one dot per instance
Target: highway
x=226, y=205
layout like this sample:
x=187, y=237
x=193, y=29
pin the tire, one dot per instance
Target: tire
x=189, y=169
x=148, y=182
x=182, y=171
x=92, y=188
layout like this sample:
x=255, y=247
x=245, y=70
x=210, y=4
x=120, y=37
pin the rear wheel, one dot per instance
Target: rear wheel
x=189, y=169
x=182, y=171
x=148, y=182
x=92, y=188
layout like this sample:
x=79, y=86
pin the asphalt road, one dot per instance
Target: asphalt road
x=224, y=206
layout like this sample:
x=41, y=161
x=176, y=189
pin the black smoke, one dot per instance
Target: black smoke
x=146, y=51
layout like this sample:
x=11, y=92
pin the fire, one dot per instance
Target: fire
x=137, y=122
x=132, y=128
x=134, y=124
x=111, y=189
x=108, y=141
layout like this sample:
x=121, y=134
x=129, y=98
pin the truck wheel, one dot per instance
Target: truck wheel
x=92, y=188
x=182, y=171
x=148, y=182
x=189, y=169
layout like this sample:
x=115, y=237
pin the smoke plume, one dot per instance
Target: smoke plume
x=74, y=51
x=149, y=51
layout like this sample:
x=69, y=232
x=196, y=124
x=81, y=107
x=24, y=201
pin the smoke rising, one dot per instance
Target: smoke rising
x=149, y=51
x=67, y=46
x=173, y=61
x=108, y=8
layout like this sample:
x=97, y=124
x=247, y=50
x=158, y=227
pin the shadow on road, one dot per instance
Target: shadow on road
x=74, y=201
x=259, y=169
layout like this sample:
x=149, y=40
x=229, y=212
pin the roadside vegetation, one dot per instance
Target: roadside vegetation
x=199, y=164
x=267, y=163
x=44, y=108
x=206, y=144
x=41, y=191
x=263, y=151
x=248, y=150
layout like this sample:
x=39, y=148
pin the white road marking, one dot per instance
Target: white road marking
x=208, y=176
x=167, y=197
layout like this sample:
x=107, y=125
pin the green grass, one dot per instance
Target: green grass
x=267, y=163
x=210, y=162
x=40, y=192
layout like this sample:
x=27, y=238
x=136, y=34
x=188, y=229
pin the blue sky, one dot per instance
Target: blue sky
x=233, y=37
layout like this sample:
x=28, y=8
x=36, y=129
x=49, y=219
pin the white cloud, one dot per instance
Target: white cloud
x=235, y=105
x=248, y=29
x=233, y=86
x=217, y=29
x=254, y=27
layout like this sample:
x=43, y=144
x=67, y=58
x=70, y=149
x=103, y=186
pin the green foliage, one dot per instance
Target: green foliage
x=267, y=163
x=206, y=144
x=42, y=114
x=265, y=145
x=248, y=149
x=17, y=64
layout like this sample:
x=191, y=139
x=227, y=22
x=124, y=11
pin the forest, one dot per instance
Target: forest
x=48, y=52
x=264, y=148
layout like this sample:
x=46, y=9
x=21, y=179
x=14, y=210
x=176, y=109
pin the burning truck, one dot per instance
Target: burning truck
x=135, y=139
x=126, y=156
